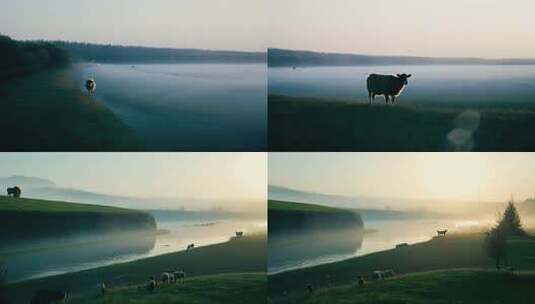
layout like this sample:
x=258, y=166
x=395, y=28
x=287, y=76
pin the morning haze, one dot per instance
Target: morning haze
x=222, y=24
x=227, y=180
x=457, y=28
x=432, y=176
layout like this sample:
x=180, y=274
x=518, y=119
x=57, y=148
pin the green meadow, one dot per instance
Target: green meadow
x=47, y=111
x=318, y=124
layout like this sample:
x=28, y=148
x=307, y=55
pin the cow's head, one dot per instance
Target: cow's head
x=404, y=77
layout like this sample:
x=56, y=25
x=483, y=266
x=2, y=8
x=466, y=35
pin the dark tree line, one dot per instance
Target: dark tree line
x=117, y=53
x=18, y=58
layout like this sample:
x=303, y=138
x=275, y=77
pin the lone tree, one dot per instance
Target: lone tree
x=510, y=223
x=496, y=239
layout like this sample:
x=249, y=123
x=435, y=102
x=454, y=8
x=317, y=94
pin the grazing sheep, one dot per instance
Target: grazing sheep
x=190, y=246
x=402, y=245
x=239, y=234
x=387, y=85
x=179, y=275
x=90, y=85
x=360, y=281
x=44, y=296
x=442, y=232
x=379, y=275
x=151, y=286
x=165, y=277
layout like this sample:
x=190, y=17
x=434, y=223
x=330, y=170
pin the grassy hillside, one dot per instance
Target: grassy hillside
x=240, y=288
x=449, y=286
x=309, y=124
x=25, y=221
x=451, y=252
x=237, y=256
x=301, y=207
x=49, y=112
x=10, y=204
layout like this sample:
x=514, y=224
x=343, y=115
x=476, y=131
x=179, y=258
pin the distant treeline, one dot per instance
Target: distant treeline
x=117, y=53
x=281, y=57
x=19, y=58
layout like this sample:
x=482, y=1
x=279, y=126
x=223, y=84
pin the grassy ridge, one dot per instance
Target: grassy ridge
x=237, y=256
x=301, y=207
x=453, y=251
x=48, y=112
x=9, y=204
x=237, y=288
x=310, y=124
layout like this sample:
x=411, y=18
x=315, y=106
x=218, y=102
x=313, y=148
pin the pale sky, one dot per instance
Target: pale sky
x=218, y=176
x=452, y=28
x=206, y=24
x=448, y=176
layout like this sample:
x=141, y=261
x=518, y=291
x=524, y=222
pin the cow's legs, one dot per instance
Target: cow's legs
x=393, y=99
x=386, y=98
x=370, y=97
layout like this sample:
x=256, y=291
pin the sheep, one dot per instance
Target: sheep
x=166, y=277
x=90, y=86
x=151, y=286
x=179, y=275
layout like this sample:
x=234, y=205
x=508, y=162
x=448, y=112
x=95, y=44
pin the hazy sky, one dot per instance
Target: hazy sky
x=192, y=175
x=464, y=176
x=457, y=28
x=207, y=24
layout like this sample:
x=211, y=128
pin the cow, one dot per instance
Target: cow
x=90, y=85
x=14, y=191
x=378, y=275
x=388, y=85
x=442, y=232
x=239, y=234
x=151, y=286
x=190, y=246
x=44, y=296
x=167, y=277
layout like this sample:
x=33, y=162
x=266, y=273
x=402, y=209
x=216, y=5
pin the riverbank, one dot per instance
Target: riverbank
x=244, y=255
x=334, y=281
x=316, y=124
x=46, y=111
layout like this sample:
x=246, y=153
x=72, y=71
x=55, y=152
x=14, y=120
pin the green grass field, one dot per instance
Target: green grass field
x=455, y=251
x=301, y=207
x=244, y=255
x=47, y=111
x=9, y=204
x=313, y=124
x=239, y=288
x=438, y=287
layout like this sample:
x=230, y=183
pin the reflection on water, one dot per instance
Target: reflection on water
x=187, y=106
x=498, y=84
x=25, y=262
x=307, y=248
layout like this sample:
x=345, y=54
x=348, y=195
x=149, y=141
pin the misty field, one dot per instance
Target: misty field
x=323, y=124
x=451, y=258
x=48, y=111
